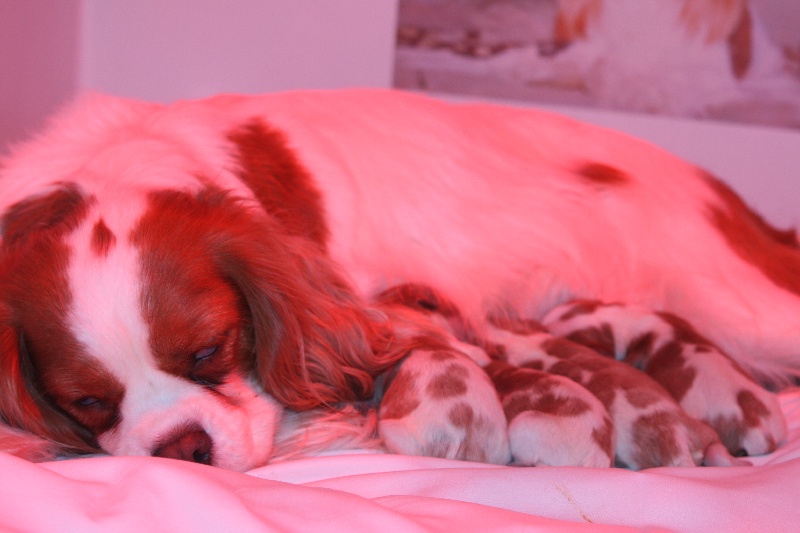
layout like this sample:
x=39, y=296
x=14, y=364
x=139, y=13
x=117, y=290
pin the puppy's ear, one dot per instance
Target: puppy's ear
x=35, y=430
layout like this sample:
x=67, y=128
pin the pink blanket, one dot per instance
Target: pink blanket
x=373, y=492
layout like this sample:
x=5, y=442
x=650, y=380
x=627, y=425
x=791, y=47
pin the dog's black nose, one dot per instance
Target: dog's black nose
x=187, y=444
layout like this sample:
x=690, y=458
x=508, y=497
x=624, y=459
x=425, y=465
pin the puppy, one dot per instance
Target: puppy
x=568, y=404
x=175, y=278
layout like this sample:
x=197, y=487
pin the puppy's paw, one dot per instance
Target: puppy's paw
x=552, y=420
x=442, y=404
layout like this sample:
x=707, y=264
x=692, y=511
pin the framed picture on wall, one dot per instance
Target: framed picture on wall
x=734, y=60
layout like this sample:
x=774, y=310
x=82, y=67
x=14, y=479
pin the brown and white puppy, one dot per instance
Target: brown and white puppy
x=173, y=277
x=575, y=404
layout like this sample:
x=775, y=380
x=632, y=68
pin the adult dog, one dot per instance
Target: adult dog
x=172, y=277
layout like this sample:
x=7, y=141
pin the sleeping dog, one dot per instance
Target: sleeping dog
x=181, y=280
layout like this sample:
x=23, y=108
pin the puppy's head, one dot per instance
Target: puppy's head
x=171, y=323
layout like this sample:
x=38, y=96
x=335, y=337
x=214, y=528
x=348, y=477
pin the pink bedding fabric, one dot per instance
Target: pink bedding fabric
x=385, y=493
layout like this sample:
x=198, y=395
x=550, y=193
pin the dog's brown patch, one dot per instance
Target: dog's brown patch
x=516, y=404
x=641, y=396
x=517, y=326
x=102, y=239
x=495, y=351
x=508, y=379
x=572, y=370
x=753, y=409
x=682, y=329
x=186, y=305
x=549, y=403
x=774, y=252
x=602, y=174
x=640, y=349
x=604, y=437
x=452, y=382
x=579, y=308
x=420, y=297
x=655, y=440
x=600, y=339
x=461, y=415
x=534, y=365
x=669, y=367
x=442, y=355
x=604, y=387
x=279, y=181
x=561, y=405
x=51, y=365
x=730, y=430
x=428, y=301
x=56, y=213
x=640, y=390
x=562, y=348
x=401, y=399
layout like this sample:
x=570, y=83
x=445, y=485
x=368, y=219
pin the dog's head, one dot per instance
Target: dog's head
x=175, y=322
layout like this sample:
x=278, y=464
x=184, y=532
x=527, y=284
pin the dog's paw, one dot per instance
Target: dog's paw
x=442, y=404
x=552, y=420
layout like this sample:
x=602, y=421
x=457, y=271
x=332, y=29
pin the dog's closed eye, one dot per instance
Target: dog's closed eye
x=210, y=364
x=94, y=412
x=204, y=353
x=87, y=402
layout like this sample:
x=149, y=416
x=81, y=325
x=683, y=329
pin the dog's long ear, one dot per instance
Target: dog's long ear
x=315, y=341
x=42, y=428
x=312, y=342
x=35, y=430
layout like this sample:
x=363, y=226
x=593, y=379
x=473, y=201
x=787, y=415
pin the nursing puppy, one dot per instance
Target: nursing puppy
x=173, y=277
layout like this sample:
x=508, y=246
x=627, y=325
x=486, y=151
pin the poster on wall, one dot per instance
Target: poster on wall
x=732, y=60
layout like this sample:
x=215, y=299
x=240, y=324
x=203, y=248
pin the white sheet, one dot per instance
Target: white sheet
x=372, y=492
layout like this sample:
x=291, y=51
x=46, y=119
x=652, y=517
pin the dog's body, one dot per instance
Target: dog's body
x=162, y=267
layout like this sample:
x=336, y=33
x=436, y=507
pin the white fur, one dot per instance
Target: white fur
x=481, y=202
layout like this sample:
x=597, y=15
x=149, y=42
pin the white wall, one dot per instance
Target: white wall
x=38, y=62
x=164, y=50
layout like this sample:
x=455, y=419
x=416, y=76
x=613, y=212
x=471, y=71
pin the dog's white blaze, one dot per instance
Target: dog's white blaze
x=105, y=313
x=106, y=317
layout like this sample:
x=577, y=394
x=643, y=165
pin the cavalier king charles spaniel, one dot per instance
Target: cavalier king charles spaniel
x=210, y=280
